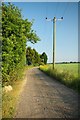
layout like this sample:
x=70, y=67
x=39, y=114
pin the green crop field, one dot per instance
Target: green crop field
x=68, y=74
x=71, y=68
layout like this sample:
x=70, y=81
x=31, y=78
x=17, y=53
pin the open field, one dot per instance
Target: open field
x=71, y=68
x=66, y=73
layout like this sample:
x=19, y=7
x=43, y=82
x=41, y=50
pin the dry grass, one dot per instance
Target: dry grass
x=10, y=99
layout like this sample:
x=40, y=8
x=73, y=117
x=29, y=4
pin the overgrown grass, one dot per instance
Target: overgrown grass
x=10, y=99
x=65, y=73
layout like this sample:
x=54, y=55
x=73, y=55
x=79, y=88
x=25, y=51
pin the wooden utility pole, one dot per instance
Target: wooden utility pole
x=54, y=37
x=54, y=41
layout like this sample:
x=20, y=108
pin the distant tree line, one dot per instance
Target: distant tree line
x=34, y=58
x=67, y=62
x=15, y=33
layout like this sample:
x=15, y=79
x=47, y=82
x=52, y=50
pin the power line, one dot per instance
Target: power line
x=46, y=7
x=57, y=7
x=64, y=13
x=65, y=9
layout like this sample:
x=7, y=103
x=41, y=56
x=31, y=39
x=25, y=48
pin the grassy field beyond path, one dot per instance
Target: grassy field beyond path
x=66, y=73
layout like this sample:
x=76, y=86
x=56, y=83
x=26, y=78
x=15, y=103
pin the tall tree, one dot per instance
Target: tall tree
x=29, y=56
x=44, y=57
x=34, y=58
x=15, y=33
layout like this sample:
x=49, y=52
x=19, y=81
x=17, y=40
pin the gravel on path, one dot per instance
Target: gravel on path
x=44, y=97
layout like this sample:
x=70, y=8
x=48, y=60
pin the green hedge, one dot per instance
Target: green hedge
x=15, y=33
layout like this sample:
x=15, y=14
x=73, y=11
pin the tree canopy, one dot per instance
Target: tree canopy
x=34, y=58
x=15, y=33
x=44, y=57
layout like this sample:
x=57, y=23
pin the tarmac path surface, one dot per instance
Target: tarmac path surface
x=44, y=97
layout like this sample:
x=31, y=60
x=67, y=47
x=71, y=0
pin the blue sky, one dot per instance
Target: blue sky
x=66, y=30
x=40, y=0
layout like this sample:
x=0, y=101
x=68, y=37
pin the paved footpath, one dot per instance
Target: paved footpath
x=44, y=97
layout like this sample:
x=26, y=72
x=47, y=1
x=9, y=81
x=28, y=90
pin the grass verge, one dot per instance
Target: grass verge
x=10, y=99
x=64, y=76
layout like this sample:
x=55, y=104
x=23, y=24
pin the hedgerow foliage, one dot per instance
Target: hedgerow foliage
x=15, y=33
